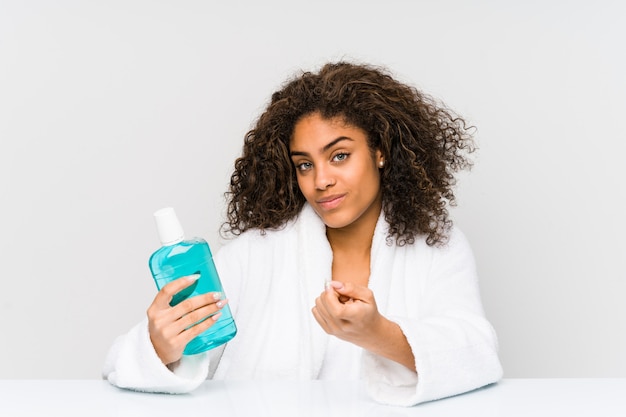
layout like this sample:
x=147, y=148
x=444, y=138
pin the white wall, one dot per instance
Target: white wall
x=110, y=110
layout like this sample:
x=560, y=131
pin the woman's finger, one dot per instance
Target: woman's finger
x=352, y=291
x=327, y=319
x=197, y=316
x=194, y=303
x=188, y=334
x=167, y=293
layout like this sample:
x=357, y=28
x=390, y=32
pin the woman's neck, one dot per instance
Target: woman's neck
x=352, y=247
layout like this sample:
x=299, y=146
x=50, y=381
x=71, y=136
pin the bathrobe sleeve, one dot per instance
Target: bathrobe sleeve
x=455, y=347
x=132, y=363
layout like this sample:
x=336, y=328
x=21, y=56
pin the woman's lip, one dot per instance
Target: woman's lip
x=331, y=202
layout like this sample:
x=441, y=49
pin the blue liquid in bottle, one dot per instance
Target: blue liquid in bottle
x=179, y=258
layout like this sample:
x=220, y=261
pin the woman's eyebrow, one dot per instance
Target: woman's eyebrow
x=325, y=148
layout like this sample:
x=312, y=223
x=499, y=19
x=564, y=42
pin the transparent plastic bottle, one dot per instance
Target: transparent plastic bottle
x=179, y=257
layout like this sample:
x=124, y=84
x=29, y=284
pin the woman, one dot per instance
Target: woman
x=345, y=263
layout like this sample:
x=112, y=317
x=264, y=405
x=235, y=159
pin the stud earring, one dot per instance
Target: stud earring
x=381, y=164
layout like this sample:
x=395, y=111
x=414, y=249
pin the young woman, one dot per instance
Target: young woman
x=344, y=262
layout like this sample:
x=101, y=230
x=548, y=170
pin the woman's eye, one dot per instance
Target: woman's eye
x=304, y=166
x=340, y=157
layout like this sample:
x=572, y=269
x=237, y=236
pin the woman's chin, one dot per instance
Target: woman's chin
x=334, y=220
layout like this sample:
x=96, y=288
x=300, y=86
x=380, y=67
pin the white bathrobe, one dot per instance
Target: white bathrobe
x=272, y=281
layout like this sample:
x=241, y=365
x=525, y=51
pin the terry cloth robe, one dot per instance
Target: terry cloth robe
x=272, y=280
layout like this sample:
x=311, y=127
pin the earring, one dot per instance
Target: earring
x=381, y=163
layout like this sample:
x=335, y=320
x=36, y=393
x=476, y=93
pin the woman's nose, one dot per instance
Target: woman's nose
x=324, y=179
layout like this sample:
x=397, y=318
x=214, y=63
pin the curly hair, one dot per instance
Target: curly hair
x=423, y=142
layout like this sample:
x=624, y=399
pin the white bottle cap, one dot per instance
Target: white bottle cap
x=169, y=228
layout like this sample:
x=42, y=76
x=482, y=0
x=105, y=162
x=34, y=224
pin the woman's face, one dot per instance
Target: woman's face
x=336, y=170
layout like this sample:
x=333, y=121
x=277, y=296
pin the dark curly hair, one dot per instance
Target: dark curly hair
x=423, y=142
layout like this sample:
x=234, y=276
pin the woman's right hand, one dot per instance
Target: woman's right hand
x=171, y=328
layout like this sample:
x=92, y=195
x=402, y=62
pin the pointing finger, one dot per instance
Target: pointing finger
x=349, y=290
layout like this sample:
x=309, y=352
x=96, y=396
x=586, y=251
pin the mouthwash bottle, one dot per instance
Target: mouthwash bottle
x=180, y=257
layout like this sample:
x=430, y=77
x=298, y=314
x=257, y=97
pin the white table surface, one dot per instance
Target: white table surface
x=509, y=397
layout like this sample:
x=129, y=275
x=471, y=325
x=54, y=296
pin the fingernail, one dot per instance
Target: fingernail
x=193, y=277
x=336, y=285
x=219, y=304
x=216, y=316
x=326, y=285
x=217, y=296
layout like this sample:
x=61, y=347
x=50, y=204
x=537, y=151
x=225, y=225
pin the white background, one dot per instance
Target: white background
x=110, y=110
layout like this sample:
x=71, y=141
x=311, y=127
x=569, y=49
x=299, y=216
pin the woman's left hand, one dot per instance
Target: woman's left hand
x=349, y=312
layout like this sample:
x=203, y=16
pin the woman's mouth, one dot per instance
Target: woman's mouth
x=330, y=202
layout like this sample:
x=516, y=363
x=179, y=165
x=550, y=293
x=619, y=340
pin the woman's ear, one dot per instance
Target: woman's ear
x=380, y=161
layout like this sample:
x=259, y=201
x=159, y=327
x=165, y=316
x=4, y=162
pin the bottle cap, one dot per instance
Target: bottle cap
x=169, y=228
